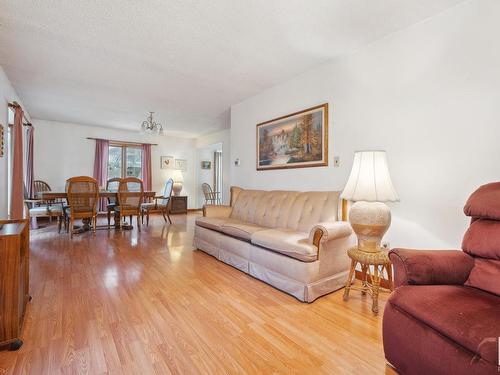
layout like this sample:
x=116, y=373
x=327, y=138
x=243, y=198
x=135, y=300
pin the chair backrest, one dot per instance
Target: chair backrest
x=207, y=191
x=112, y=185
x=482, y=239
x=167, y=192
x=83, y=194
x=40, y=186
x=130, y=194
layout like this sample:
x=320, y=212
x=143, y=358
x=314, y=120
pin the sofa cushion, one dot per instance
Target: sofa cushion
x=312, y=207
x=484, y=202
x=467, y=316
x=288, y=242
x=485, y=275
x=482, y=239
x=240, y=230
x=214, y=223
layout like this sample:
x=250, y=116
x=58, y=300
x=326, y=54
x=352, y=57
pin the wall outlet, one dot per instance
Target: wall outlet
x=237, y=162
x=336, y=161
x=386, y=245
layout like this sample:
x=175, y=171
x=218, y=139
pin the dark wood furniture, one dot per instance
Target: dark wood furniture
x=112, y=185
x=14, y=280
x=178, y=204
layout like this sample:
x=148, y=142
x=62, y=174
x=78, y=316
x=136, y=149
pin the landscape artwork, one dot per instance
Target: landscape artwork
x=294, y=141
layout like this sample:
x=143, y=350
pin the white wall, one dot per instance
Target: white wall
x=7, y=94
x=429, y=95
x=205, y=146
x=62, y=150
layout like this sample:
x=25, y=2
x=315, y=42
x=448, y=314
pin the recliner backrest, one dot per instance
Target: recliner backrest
x=482, y=239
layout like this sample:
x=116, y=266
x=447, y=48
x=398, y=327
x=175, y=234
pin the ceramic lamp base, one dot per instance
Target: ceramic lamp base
x=177, y=188
x=370, y=221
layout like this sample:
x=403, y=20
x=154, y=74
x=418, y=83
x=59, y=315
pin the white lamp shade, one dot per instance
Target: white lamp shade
x=177, y=177
x=370, y=179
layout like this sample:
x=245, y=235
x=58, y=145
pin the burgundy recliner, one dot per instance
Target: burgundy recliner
x=444, y=315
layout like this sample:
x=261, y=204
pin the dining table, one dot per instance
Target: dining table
x=53, y=195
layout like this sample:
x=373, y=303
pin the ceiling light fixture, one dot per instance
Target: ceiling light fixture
x=151, y=127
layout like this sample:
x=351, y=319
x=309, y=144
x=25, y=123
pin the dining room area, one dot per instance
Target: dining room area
x=79, y=179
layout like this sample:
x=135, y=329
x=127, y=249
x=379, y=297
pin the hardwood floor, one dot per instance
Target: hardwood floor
x=148, y=303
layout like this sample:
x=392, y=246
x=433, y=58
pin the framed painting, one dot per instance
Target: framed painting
x=181, y=164
x=297, y=140
x=167, y=162
x=206, y=164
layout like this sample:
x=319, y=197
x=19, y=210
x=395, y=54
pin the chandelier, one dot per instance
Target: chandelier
x=151, y=127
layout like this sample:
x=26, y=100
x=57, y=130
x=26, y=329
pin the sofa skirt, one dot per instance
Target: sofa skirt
x=306, y=281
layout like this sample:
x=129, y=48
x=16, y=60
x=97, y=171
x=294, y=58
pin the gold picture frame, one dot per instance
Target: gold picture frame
x=297, y=140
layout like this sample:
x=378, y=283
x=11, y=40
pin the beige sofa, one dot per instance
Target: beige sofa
x=291, y=240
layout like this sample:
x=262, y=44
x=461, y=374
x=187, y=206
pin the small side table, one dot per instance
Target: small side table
x=178, y=204
x=370, y=279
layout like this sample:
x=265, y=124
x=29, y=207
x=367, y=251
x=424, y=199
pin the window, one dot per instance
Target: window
x=124, y=161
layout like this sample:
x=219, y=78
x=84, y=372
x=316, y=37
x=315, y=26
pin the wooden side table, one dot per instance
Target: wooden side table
x=178, y=204
x=379, y=261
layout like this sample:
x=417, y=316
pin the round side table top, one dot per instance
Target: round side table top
x=379, y=257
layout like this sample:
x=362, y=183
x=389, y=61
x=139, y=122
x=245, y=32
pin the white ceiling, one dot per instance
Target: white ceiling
x=109, y=62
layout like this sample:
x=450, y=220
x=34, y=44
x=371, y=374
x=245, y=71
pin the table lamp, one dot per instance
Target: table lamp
x=370, y=185
x=178, y=180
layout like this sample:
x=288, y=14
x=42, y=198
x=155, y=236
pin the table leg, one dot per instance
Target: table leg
x=364, y=276
x=349, y=280
x=375, y=288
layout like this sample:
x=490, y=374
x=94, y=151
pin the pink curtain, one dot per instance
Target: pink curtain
x=17, y=196
x=101, y=167
x=146, y=167
x=29, y=176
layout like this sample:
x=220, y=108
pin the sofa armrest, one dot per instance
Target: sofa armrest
x=430, y=267
x=213, y=210
x=326, y=231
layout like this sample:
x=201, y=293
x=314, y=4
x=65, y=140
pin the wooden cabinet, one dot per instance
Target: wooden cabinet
x=178, y=204
x=14, y=280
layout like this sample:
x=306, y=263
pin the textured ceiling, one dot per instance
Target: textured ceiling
x=109, y=62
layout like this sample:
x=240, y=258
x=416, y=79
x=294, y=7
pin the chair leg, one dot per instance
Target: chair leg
x=59, y=223
x=147, y=218
x=71, y=228
x=94, y=226
x=169, y=219
x=109, y=219
x=142, y=217
x=138, y=224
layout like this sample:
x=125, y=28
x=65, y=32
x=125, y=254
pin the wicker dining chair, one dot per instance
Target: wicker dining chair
x=130, y=198
x=211, y=197
x=112, y=185
x=161, y=202
x=83, y=194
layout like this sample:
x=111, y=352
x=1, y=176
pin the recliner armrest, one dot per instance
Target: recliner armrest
x=430, y=267
x=213, y=210
x=327, y=231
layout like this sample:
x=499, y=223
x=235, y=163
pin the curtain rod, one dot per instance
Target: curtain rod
x=125, y=142
x=16, y=105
